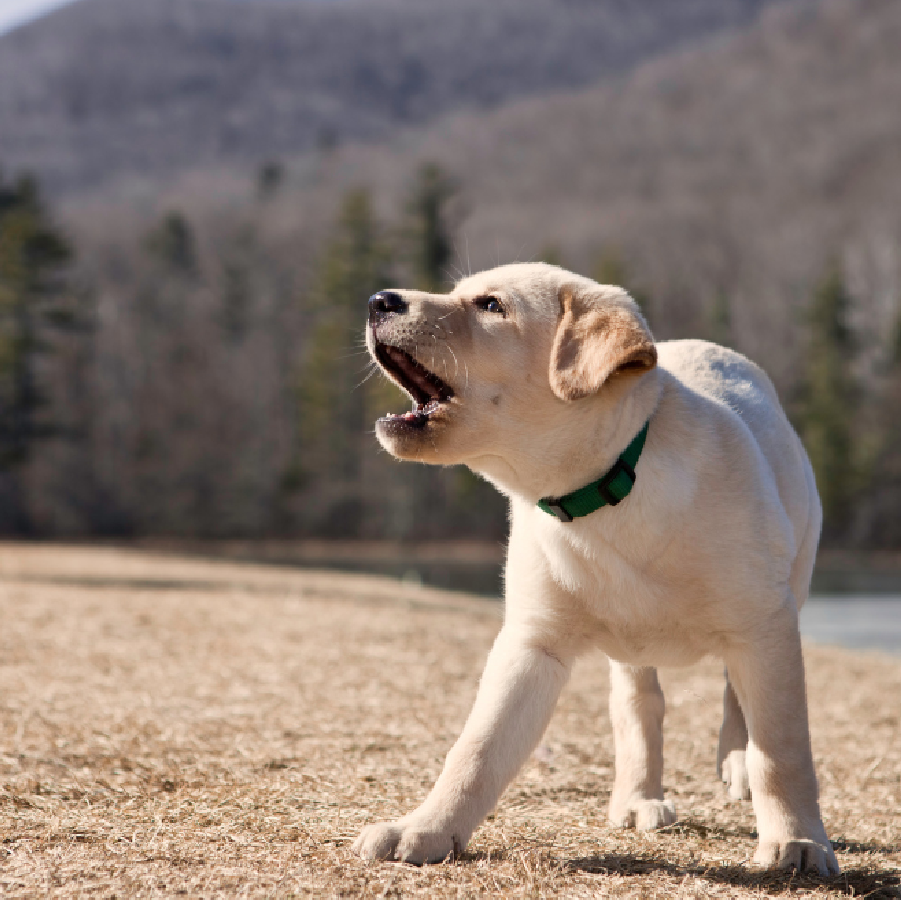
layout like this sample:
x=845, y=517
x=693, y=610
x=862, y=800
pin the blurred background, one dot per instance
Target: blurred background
x=198, y=196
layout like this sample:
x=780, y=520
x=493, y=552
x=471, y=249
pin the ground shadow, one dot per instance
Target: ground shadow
x=869, y=882
x=843, y=846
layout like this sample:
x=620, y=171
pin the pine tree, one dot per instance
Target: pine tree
x=270, y=179
x=172, y=243
x=720, y=319
x=610, y=268
x=333, y=405
x=430, y=226
x=33, y=259
x=828, y=399
x=430, y=497
x=551, y=254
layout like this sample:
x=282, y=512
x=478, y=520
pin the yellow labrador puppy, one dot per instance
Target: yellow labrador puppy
x=663, y=509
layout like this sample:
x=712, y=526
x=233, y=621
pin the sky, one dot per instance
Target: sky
x=14, y=12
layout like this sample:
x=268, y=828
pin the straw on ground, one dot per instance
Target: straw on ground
x=170, y=727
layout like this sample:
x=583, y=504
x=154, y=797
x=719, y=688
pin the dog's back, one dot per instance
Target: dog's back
x=730, y=379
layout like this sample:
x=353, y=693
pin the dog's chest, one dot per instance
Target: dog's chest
x=628, y=612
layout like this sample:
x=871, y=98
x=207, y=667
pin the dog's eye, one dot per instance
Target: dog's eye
x=490, y=304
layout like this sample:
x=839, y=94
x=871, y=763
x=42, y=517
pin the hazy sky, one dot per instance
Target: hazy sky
x=12, y=12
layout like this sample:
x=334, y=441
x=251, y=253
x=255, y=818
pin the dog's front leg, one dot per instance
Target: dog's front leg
x=767, y=673
x=636, y=710
x=517, y=694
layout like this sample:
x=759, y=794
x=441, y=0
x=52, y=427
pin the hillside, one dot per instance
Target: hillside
x=738, y=170
x=104, y=88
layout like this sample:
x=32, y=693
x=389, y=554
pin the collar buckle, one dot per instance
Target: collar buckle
x=609, y=490
x=556, y=508
x=620, y=467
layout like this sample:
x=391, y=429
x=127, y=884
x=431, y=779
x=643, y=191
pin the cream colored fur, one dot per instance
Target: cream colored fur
x=711, y=552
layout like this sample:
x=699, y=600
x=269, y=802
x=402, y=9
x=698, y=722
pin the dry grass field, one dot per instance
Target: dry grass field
x=176, y=727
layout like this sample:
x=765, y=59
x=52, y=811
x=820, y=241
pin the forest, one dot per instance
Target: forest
x=184, y=357
x=206, y=385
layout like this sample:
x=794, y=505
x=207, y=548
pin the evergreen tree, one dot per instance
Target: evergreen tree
x=33, y=259
x=172, y=243
x=877, y=524
x=270, y=179
x=428, y=235
x=720, y=318
x=610, y=268
x=241, y=262
x=430, y=497
x=828, y=399
x=551, y=254
x=334, y=411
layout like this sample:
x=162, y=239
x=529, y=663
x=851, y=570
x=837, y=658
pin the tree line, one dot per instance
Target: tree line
x=204, y=384
x=206, y=377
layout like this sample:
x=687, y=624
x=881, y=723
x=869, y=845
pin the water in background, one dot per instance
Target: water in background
x=482, y=578
x=857, y=609
x=858, y=622
x=486, y=578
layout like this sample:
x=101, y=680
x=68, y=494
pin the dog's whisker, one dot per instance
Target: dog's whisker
x=454, y=355
x=519, y=251
x=370, y=369
x=368, y=376
x=456, y=277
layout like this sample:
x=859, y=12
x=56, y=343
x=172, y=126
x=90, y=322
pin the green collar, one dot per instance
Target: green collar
x=608, y=489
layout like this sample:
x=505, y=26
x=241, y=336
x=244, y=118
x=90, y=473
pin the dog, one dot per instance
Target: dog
x=662, y=509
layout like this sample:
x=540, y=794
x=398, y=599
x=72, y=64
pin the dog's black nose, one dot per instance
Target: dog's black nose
x=386, y=302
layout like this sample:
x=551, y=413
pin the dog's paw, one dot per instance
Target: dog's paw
x=734, y=772
x=406, y=842
x=802, y=855
x=643, y=815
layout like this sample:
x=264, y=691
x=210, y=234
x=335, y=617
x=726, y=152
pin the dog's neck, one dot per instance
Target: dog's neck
x=597, y=429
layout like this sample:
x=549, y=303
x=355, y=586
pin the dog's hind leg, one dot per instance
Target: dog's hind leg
x=636, y=709
x=731, y=763
x=767, y=670
x=731, y=755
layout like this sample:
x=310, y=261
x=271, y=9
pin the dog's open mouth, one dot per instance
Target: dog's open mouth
x=428, y=391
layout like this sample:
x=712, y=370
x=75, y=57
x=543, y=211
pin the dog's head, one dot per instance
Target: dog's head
x=507, y=351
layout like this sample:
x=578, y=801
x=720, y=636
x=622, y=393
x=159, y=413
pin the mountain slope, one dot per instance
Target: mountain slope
x=727, y=178
x=108, y=87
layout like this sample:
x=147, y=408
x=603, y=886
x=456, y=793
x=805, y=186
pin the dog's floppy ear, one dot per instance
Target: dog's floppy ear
x=600, y=332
